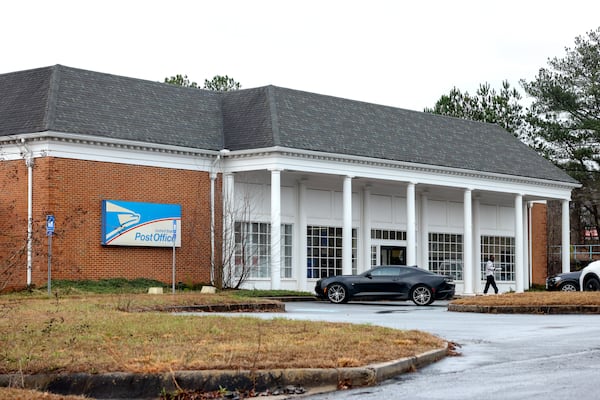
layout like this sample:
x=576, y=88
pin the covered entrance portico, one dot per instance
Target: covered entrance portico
x=369, y=212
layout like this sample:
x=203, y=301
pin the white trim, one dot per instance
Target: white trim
x=94, y=148
x=386, y=170
x=299, y=153
x=89, y=148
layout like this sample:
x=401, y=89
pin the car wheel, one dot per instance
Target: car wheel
x=592, y=285
x=568, y=287
x=421, y=295
x=337, y=293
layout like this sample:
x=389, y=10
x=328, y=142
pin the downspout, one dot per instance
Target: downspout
x=530, y=240
x=29, y=163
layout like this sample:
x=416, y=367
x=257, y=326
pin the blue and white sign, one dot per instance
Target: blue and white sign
x=126, y=223
x=49, y=225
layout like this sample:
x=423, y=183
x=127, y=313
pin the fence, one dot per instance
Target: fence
x=581, y=254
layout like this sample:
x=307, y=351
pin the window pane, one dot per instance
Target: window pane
x=445, y=254
x=328, y=261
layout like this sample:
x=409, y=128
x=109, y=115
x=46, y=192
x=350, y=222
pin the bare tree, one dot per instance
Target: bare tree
x=246, y=242
x=239, y=250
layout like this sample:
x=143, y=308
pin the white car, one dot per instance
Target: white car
x=590, y=277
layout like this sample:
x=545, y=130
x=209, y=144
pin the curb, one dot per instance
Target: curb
x=120, y=385
x=554, y=309
x=212, y=308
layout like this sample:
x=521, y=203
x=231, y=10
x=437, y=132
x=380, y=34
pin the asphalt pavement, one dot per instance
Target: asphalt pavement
x=503, y=356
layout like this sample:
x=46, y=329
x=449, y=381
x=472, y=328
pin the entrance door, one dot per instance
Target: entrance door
x=393, y=255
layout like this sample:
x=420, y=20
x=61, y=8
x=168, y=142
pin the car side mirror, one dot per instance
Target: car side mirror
x=368, y=275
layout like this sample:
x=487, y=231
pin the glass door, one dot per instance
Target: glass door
x=393, y=255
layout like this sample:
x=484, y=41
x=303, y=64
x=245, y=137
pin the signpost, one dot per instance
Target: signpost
x=50, y=221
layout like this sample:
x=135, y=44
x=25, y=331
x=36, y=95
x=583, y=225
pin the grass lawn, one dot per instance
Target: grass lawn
x=534, y=299
x=79, y=331
x=98, y=333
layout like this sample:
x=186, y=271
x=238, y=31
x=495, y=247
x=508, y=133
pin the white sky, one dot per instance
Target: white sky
x=400, y=53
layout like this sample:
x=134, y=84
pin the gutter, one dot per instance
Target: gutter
x=27, y=155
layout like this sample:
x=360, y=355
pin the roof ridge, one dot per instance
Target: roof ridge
x=274, y=115
x=53, y=84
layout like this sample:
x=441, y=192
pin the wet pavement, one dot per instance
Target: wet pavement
x=504, y=356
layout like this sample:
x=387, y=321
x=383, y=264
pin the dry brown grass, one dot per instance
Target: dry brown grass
x=90, y=334
x=24, y=394
x=533, y=299
x=97, y=334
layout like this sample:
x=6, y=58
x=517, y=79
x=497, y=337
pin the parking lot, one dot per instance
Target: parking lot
x=504, y=356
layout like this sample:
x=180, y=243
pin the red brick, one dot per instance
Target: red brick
x=73, y=191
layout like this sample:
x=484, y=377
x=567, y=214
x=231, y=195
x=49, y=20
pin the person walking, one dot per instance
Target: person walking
x=490, y=269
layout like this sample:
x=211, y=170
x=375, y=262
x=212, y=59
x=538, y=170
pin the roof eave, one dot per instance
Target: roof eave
x=392, y=163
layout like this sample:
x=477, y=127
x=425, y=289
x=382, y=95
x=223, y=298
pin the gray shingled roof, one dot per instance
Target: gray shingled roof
x=71, y=100
x=310, y=121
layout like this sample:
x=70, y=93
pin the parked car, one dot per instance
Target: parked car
x=565, y=282
x=388, y=281
x=590, y=277
x=453, y=268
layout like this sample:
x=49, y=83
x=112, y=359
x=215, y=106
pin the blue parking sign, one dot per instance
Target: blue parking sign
x=49, y=225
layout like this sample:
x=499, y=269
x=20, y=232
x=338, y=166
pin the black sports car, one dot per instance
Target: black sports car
x=388, y=281
x=566, y=282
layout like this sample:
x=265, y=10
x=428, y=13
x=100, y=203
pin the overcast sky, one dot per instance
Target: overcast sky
x=400, y=53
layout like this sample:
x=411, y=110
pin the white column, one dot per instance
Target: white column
x=424, y=241
x=300, y=238
x=566, y=237
x=347, y=227
x=366, y=231
x=275, y=229
x=411, y=225
x=476, y=246
x=29, y=162
x=468, y=242
x=519, y=267
x=530, y=239
x=228, y=228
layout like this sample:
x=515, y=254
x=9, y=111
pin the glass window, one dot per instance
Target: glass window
x=503, y=250
x=324, y=252
x=386, y=271
x=253, y=248
x=388, y=234
x=373, y=255
x=445, y=254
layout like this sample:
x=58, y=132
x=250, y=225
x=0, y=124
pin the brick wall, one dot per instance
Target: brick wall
x=539, y=244
x=13, y=223
x=73, y=191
